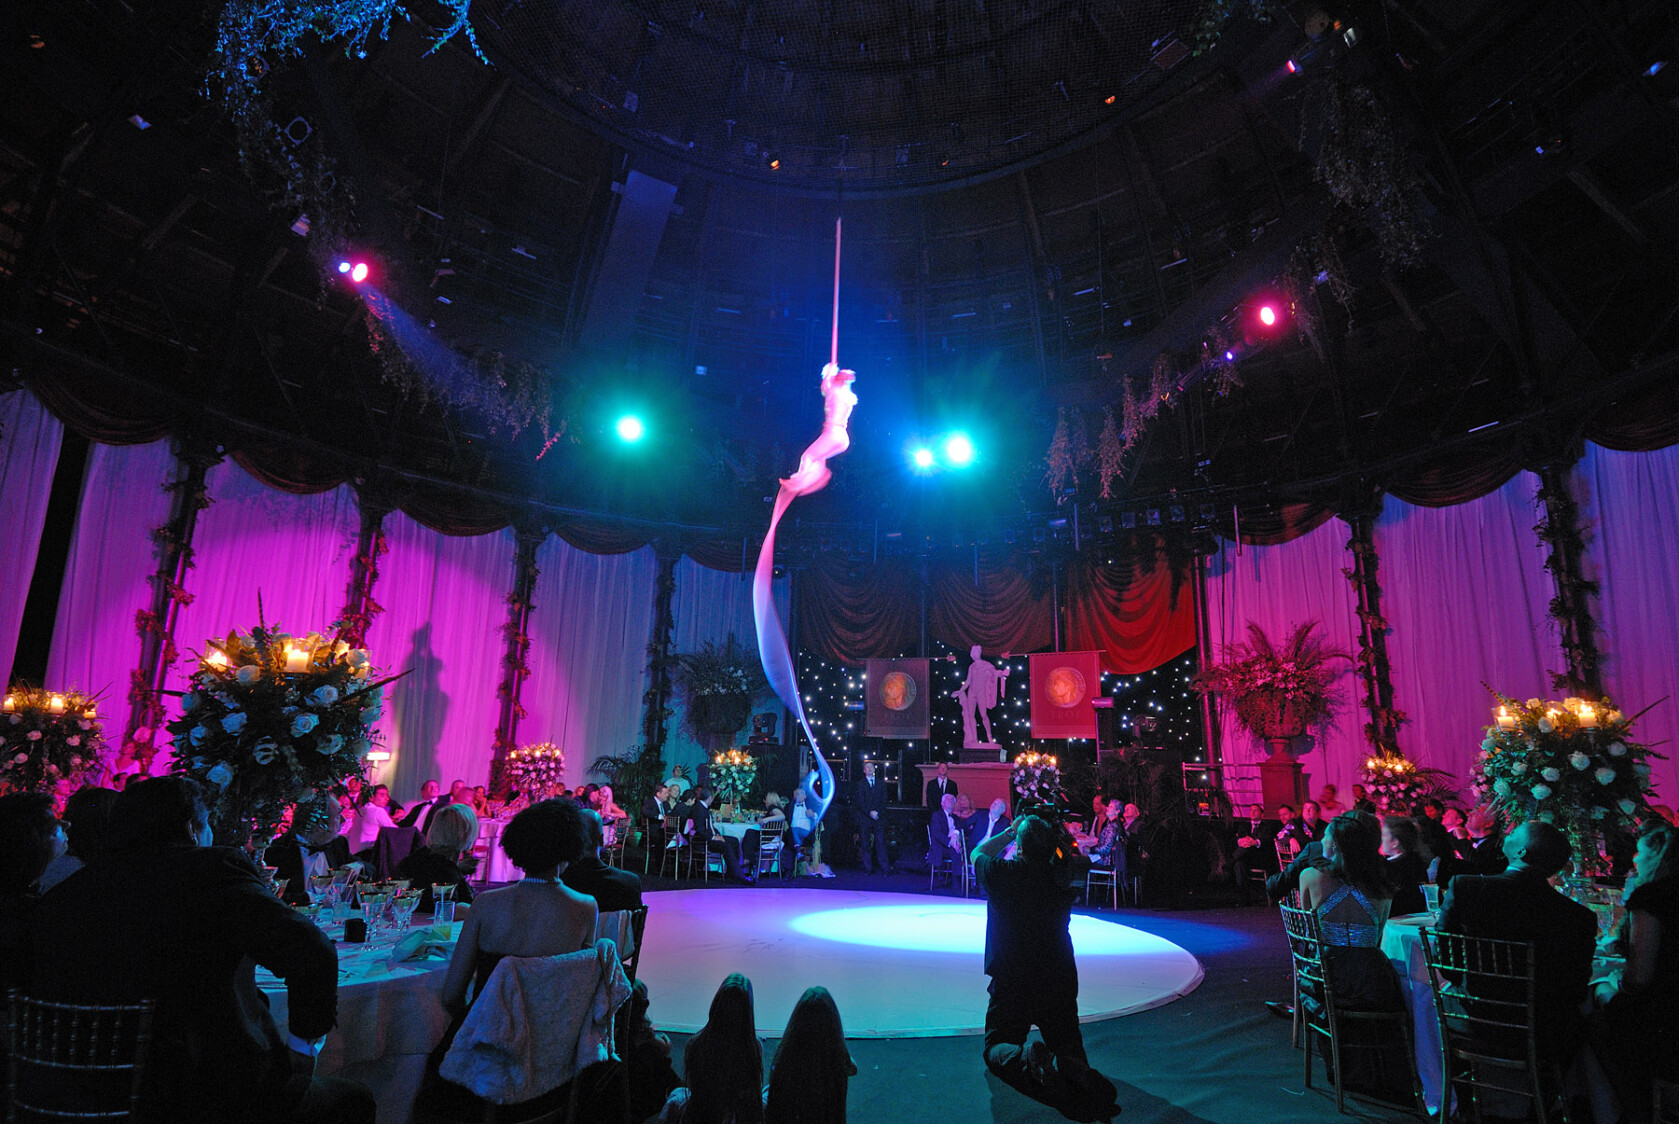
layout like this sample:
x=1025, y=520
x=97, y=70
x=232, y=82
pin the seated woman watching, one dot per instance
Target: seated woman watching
x=1636, y=1034
x=724, y=1064
x=443, y=860
x=812, y=1068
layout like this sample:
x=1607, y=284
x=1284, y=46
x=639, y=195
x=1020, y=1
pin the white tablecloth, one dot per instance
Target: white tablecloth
x=389, y=1018
x=497, y=866
x=1402, y=943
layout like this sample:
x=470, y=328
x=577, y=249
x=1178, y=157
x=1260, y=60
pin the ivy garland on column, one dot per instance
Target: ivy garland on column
x=359, y=606
x=656, y=710
x=515, y=661
x=1571, y=607
x=1382, y=730
x=155, y=624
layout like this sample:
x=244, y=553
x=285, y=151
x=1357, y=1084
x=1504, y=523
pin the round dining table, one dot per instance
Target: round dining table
x=1402, y=944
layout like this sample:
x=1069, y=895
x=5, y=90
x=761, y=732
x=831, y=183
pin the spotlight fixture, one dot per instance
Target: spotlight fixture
x=959, y=450
x=355, y=271
x=1267, y=315
x=922, y=458
x=630, y=429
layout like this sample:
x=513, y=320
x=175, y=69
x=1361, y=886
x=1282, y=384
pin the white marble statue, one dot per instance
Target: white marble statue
x=978, y=696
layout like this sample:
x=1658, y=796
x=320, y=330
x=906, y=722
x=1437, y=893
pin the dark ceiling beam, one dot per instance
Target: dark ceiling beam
x=1592, y=188
x=466, y=145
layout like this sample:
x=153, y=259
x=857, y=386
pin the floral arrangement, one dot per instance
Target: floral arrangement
x=733, y=772
x=1278, y=692
x=536, y=770
x=1571, y=763
x=1036, y=776
x=719, y=681
x=47, y=737
x=270, y=718
x=1397, y=784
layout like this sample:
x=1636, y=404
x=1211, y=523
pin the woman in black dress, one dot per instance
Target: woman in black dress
x=1637, y=1030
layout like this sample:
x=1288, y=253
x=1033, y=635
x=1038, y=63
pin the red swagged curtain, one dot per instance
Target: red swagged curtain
x=851, y=613
x=1137, y=612
x=1007, y=611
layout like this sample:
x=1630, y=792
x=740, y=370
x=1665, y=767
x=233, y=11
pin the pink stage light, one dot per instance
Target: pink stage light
x=356, y=271
x=1267, y=315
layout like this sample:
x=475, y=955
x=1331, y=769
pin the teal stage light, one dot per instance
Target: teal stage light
x=630, y=429
x=958, y=450
x=922, y=458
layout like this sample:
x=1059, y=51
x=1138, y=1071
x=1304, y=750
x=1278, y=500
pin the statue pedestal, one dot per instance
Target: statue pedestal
x=980, y=782
x=1281, y=782
x=980, y=754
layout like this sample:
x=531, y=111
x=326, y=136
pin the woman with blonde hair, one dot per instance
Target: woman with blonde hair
x=445, y=859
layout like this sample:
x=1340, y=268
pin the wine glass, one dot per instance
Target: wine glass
x=321, y=888
x=402, y=911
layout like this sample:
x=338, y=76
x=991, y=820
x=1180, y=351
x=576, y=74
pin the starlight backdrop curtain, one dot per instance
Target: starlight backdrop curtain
x=107, y=578
x=445, y=602
x=1629, y=503
x=1466, y=593
x=709, y=605
x=588, y=657
x=29, y=442
x=1280, y=587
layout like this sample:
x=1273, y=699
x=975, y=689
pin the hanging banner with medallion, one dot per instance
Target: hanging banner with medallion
x=1063, y=685
x=899, y=692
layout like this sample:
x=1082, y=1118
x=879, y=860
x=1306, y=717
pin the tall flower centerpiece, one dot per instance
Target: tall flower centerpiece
x=537, y=771
x=47, y=737
x=270, y=718
x=1397, y=784
x=1036, y=776
x=718, y=682
x=733, y=772
x=1278, y=692
x=1572, y=763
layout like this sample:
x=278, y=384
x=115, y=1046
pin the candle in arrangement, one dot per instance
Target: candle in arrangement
x=92, y=711
x=297, y=660
x=1588, y=716
x=57, y=704
x=217, y=659
x=1506, y=720
x=9, y=705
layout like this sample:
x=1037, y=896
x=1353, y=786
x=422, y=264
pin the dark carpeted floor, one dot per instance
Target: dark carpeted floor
x=1217, y=1055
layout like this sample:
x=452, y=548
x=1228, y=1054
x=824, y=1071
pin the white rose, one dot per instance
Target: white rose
x=20, y=759
x=356, y=657
x=1617, y=749
x=1605, y=775
x=16, y=718
x=248, y=674
x=1540, y=791
x=1545, y=726
x=1550, y=774
x=34, y=735
x=1518, y=767
x=233, y=723
x=73, y=741
x=1628, y=807
x=324, y=695
x=1579, y=760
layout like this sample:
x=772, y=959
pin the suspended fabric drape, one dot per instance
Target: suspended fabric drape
x=445, y=602
x=709, y=605
x=107, y=578
x=1280, y=587
x=29, y=443
x=1466, y=593
x=588, y=657
x=1630, y=506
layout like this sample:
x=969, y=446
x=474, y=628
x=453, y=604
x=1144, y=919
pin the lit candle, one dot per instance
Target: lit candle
x=9, y=705
x=217, y=659
x=297, y=660
x=1588, y=716
x=1506, y=720
x=92, y=711
x=57, y=704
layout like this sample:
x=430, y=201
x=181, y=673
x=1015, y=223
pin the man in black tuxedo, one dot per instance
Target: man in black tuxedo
x=653, y=812
x=312, y=846
x=705, y=836
x=940, y=786
x=162, y=915
x=420, y=815
x=1256, y=850
x=1520, y=905
x=612, y=889
x=870, y=798
x=1484, y=849
x=945, y=835
x=983, y=826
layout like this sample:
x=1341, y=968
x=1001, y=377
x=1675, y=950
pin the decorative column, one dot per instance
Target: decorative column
x=656, y=709
x=1205, y=658
x=515, y=660
x=155, y=624
x=1374, y=668
x=1571, y=607
x=359, y=606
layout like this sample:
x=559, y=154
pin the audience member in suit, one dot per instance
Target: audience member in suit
x=940, y=786
x=1291, y=837
x=812, y=1068
x=31, y=839
x=162, y=915
x=1438, y=850
x=443, y=861
x=1254, y=850
x=312, y=846
x=995, y=819
x=1407, y=868
x=1287, y=880
x=653, y=812
x=704, y=836
x=1520, y=905
x=85, y=815
x=1362, y=801
x=417, y=812
x=870, y=798
x=945, y=836
x=1486, y=846
x=1310, y=825
x=612, y=889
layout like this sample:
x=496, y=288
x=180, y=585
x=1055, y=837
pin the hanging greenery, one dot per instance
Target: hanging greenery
x=1212, y=17
x=1366, y=169
x=1062, y=468
x=509, y=393
x=1559, y=530
x=1375, y=670
x=1110, y=452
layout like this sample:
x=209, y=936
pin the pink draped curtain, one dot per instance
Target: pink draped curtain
x=1280, y=587
x=108, y=575
x=1630, y=505
x=588, y=657
x=29, y=443
x=445, y=602
x=1466, y=593
x=709, y=605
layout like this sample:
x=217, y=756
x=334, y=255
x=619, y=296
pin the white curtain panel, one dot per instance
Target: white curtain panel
x=1279, y=587
x=29, y=443
x=107, y=578
x=1466, y=593
x=445, y=602
x=1630, y=506
x=709, y=605
x=588, y=657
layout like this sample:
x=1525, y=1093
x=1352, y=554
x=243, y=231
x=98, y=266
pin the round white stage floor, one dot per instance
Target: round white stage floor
x=899, y=965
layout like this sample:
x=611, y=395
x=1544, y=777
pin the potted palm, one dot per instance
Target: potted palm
x=1279, y=692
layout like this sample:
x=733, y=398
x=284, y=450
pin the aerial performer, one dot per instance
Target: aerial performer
x=812, y=475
